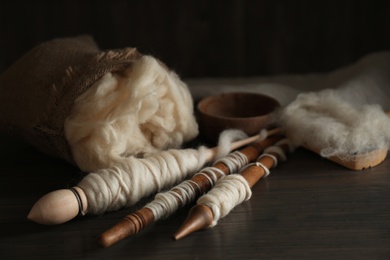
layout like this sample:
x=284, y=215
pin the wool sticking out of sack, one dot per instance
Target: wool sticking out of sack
x=140, y=110
x=90, y=107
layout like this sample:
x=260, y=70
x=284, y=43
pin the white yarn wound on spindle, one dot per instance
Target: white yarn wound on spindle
x=239, y=159
x=270, y=156
x=278, y=150
x=233, y=161
x=259, y=164
x=232, y=190
x=144, y=109
x=325, y=121
x=290, y=145
x=134, y=178
x=166, y=203
x=229, y=191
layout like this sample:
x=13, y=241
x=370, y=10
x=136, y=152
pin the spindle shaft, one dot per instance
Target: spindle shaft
x=60, y=206
x=135, y=222
x=201, y=216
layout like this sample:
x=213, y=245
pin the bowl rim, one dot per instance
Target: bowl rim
x=203, y=100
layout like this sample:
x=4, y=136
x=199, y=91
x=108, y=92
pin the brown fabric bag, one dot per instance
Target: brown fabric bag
x=37, y=93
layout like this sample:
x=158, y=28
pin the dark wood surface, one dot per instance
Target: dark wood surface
x=307, y=208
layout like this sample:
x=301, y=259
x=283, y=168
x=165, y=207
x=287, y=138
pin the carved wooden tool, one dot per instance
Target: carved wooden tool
x=356, y=162
x=135, y=222
x=63, y=205
x=359, y=161
x=201, y=216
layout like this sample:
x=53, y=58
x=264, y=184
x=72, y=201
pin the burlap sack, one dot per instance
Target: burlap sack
x=37, y=93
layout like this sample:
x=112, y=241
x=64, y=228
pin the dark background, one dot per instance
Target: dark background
x=308, y=208
x=205, y=38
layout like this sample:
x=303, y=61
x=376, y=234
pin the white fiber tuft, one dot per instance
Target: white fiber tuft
x=142, y=110
x=133, y=178
x=326, y=121
x=225, y=140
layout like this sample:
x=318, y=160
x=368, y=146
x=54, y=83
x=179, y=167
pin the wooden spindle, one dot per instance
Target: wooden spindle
x=61, y=206
x=201, y=216
x=135, y=222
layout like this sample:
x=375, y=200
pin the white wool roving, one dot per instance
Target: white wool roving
x=230, y=191
x=166, y=203
x=327, y=122
x=133, y=178
x=144, y=109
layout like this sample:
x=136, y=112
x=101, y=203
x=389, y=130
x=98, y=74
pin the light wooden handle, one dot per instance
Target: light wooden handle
x=201, y=216
x=135, y=222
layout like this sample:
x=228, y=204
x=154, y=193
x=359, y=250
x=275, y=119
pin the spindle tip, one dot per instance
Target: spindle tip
x=54, y=208
x=118, y=232
x=105, y=241
x=199, y=217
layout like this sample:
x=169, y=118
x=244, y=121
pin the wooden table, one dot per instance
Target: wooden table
x=308, y=207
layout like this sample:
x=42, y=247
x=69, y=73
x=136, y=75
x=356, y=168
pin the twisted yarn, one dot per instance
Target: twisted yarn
x=134, y=178
x=166, y=203
x=228, y=192
x=234, y=189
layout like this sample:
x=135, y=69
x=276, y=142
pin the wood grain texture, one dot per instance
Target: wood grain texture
x=308, y=207
x=141, y=219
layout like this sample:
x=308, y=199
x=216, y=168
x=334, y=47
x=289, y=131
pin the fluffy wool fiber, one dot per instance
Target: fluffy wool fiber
x=327, y=122
x=134, y=178
x=142, y=110
x=340, y=113
x=229, y=192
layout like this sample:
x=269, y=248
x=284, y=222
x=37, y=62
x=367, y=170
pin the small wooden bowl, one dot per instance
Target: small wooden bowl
x=249, y=112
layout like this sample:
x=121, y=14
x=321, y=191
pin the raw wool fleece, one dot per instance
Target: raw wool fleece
x=326, y=121
x=38, y=94
x=346, y=117
x=141, y=110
